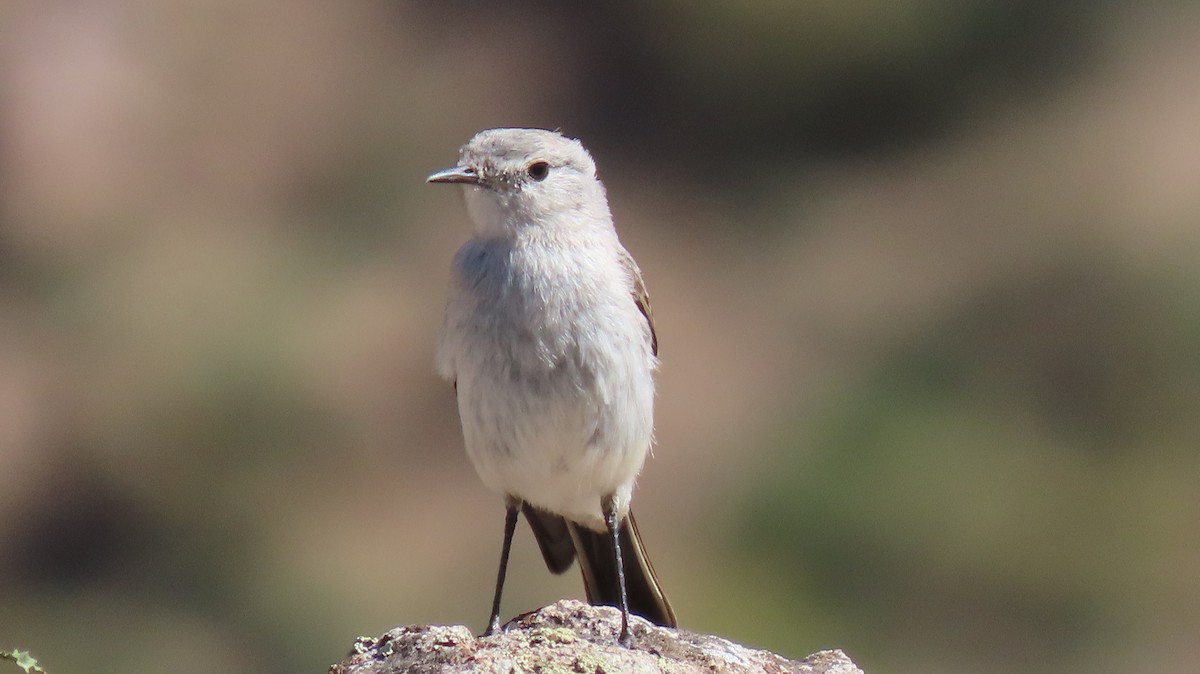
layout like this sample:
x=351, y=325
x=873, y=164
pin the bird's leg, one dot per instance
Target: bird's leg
x=512, y=508
x=613, y=522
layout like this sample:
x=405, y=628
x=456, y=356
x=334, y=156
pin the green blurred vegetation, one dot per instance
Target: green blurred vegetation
x=23, y=660
x=1023, y=473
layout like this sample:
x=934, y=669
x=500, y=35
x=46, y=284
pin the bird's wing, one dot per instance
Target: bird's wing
x=640, y=295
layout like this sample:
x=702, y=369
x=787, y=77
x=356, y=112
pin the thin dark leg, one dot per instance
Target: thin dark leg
x=614, y=533
x=512, y=507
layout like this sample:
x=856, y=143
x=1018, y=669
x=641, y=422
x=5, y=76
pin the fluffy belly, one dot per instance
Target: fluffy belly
x=561, y=439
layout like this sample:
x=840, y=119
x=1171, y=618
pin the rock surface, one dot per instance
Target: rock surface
x=571, y=636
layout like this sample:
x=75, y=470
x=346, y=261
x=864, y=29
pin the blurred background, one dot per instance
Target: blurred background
x=926, y=278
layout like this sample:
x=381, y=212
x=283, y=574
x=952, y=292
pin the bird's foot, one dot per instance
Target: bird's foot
x=492, y=628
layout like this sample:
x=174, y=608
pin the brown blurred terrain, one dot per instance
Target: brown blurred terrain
x=926, y=279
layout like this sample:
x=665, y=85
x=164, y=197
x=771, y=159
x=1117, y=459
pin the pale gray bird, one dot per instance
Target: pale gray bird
x=549, y=341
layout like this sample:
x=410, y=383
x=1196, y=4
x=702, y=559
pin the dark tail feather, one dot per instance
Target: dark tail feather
x=553, y=537
x=646, y=597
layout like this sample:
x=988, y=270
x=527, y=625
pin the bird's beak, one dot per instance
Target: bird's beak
x=459, y=174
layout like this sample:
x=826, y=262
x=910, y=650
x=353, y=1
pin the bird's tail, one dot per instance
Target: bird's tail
x=561, y=541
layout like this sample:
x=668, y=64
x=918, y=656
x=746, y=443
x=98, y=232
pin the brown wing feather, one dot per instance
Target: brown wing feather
x=640, y=296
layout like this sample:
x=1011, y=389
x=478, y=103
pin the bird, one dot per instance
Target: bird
x=549, y=340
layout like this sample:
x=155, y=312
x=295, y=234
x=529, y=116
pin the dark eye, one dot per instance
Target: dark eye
x=538, y=170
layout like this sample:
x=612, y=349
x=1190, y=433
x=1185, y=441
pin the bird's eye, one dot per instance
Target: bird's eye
x=538, y=170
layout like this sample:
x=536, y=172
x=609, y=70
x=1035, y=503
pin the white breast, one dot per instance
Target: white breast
x=554, y=372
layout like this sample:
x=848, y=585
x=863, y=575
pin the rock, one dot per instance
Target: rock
x=571, y=636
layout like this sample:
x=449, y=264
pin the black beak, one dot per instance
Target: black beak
x=459, y=174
